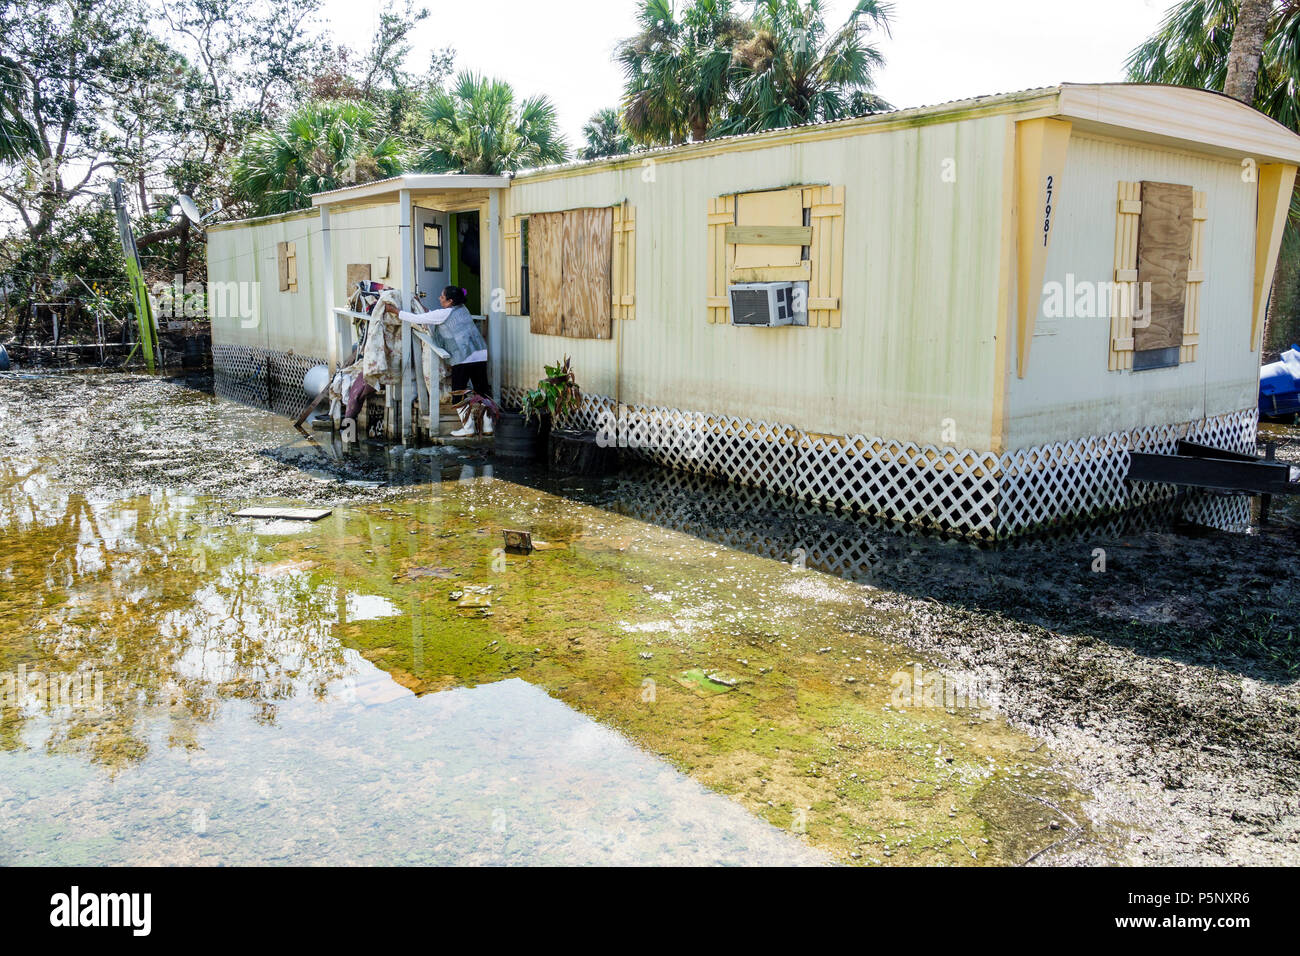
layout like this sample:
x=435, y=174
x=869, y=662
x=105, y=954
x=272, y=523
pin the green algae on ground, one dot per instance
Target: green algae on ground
x=763, y=682
x=634, y=625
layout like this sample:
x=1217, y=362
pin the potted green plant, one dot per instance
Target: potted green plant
x=570, y=451
x=524, y=434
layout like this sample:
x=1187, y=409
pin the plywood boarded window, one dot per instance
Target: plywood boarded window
x=1159, y=242
x=357, y=272
x=570, y=261
x=795, y=234
x=286, y=254
x=546, y=273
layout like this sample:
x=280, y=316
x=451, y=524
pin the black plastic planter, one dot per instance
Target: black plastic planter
x=580, y=453
x=515, y=438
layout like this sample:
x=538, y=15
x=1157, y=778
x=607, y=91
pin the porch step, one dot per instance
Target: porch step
x=448, y=422
x=475, y=441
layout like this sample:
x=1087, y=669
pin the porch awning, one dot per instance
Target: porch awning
x=388, y=189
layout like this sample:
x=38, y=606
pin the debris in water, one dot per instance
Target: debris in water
x=478, y=604
x=422, y=571
x=290, y=514
x=697, y=679
x=520, y=542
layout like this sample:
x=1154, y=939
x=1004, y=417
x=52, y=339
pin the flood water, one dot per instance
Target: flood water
x=388, y=685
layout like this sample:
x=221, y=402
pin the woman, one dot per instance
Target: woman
x=455, y=333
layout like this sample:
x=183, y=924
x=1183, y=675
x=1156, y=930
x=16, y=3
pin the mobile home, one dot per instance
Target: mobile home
x=962, y=316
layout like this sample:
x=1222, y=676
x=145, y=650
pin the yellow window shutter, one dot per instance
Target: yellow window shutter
x=1127, y=221
x=825, y=205
x=513, y=261
x=282, y=264
x=721, y=257
x=761, y=237
x=291, y=265
x=623, y=279
x=1195, y=280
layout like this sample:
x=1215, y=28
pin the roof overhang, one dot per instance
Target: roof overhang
x=418, y=184
x=1202, y=121
x=1196, y=120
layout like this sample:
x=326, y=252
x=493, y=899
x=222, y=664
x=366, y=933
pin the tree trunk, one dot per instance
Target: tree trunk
x=183, y=253
x=1246, y=50
x=158, y=235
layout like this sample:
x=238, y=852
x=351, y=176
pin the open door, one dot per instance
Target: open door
x=465, y=262
x=432, y=254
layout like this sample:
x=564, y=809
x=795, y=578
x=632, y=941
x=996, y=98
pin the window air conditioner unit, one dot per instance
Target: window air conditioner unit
x=768, y=303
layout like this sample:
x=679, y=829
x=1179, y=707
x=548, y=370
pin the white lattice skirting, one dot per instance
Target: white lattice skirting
x=266, y=378
x=980, y=494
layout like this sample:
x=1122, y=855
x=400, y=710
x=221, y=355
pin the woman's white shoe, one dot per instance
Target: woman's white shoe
x=466, y=429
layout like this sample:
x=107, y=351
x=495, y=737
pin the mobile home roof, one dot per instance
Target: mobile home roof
x=1175, y=116
x=1171, y=116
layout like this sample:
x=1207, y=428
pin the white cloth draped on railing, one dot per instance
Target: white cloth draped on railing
x=381, y=362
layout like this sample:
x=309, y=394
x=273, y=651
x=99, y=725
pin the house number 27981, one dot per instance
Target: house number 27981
x=1047, y=212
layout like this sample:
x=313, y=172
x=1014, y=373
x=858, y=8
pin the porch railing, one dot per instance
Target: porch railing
x=410, y=411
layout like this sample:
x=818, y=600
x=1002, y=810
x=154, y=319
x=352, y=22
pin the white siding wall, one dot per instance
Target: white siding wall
x=920, y=288
x=360, y=236
x=920, y=295
x=297, y=321
x=1067, y=391
x=246, y=255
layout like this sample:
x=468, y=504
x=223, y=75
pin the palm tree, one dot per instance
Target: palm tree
x=605, y=135
x=18, y=139
x=1246, y=50
x=1193, y=45
x=321, y=146
x=678, y=69
x=1198, y=44
x=794, y=70
x=477, y=127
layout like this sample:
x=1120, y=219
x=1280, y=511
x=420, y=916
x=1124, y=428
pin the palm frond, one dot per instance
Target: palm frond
x=478, y=127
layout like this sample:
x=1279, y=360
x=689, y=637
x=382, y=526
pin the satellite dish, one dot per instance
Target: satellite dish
x=190, y=208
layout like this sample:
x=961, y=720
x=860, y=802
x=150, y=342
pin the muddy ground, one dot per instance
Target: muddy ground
x=1167, y=675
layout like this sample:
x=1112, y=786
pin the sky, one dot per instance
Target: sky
x=939, y=49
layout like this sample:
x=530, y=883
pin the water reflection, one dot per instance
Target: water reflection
x=231, y=726
x=321, y=694
x=169, y=614
x=501, y=773
x=856, y=546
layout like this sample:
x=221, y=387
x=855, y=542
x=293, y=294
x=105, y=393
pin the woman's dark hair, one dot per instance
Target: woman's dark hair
x=455, y=294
